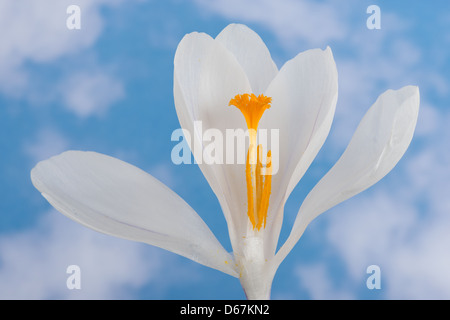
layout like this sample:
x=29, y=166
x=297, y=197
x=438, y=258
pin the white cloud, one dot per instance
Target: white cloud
x=91, y=93
x=411, y=250
x=419, y=270
x=314, y=23
x=33, y=262
x=366, y=229
x=314, y=279
x=428, y=121
x=46, y=143
x=37, y=34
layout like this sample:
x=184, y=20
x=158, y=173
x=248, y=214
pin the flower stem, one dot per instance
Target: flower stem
x=255, y=274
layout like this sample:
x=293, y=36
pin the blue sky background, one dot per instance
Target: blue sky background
x=108, y=88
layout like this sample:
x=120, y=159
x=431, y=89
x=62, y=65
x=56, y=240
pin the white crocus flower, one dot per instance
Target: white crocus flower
x=231, y=82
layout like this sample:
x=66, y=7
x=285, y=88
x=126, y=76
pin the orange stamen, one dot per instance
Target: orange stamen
x=258, y=185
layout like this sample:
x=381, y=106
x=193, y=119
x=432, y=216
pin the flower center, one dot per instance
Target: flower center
x=258, y=184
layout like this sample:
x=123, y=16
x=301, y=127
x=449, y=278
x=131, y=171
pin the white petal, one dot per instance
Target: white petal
x=304, y=95
x=251, y=53
x=206, y=77
x=379, y=142
x=116, y=198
